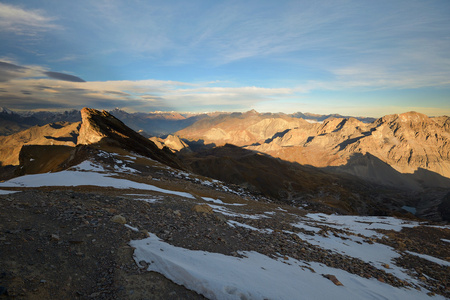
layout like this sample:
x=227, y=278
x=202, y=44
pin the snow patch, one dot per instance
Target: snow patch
x=218, y=201
x=256, y=276
x=131, y=227
x=365, y=225
x=76, y=178
x=228, y=212
x=410, y=209
x=88, y=166
x=431, y=258
x=3, y=192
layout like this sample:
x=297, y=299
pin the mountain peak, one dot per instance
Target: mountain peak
x=412, y=116
x=103, y=127
x=251, y=112
x=5, y=110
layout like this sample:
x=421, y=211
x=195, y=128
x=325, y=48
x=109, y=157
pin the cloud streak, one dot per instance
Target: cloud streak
x=25, y=87
x=20, y=21
x=62, y=76
x=142, y=95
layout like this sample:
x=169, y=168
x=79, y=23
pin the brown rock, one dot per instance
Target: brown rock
x=203, y=208
x=118, y=219
x=55, y=237
x=333, y=279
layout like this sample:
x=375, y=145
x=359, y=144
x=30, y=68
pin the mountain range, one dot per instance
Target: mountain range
x=339, y=164
x=93, y=209
x=398, y=144
x=149, y=124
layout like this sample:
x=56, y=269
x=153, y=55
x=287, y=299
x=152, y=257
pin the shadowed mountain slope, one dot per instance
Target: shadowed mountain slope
x=61, y=133
x=294, y=183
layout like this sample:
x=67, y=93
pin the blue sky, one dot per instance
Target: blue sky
x=364, y=58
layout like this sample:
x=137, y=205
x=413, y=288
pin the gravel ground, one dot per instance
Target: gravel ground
x=62, y=243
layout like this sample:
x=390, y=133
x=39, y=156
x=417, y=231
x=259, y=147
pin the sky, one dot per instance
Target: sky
x=360, y=58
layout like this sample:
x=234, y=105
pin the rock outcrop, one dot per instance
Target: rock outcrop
x=102, y=128
x=173, y=142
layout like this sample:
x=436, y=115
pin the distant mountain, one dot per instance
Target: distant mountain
x=149, y=124
x=61, y=133
x=46, y=117
x=11, y=122
x=241, y=129
x=406, y=142
x=321, y=118
x=156, y=123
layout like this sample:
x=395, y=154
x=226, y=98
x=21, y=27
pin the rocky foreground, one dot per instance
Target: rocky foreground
x=66, y=236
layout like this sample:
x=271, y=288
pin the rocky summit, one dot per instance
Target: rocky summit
x=105, y=213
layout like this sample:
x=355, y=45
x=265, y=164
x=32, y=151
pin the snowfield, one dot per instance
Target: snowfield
x=256, y=276
x=86, y=173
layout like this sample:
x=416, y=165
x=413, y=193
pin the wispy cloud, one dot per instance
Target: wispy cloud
x=72, y=92
x=22, y=21
x=62, y=76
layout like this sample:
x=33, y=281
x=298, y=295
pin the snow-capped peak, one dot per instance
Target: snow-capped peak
x=6, y=111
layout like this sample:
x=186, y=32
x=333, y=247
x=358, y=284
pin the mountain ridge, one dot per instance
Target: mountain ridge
x=332, y=152
x=405, y=141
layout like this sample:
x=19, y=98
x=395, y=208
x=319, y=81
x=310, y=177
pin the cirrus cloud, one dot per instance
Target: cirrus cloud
x=25, y=87
x=23, y=22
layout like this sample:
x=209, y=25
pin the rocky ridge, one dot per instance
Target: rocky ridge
x=104, y=128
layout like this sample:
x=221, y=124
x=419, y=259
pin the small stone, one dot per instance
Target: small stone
x=144, y=264
x=76, y=241
x=220, y=217
x=177, y=213
x=55, y=237
x=94, y=295
x=386, y=266
x=203, y=208
x=333, y=279
x=119, y=219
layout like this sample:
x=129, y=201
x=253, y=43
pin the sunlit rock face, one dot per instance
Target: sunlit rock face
x=90, y=131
